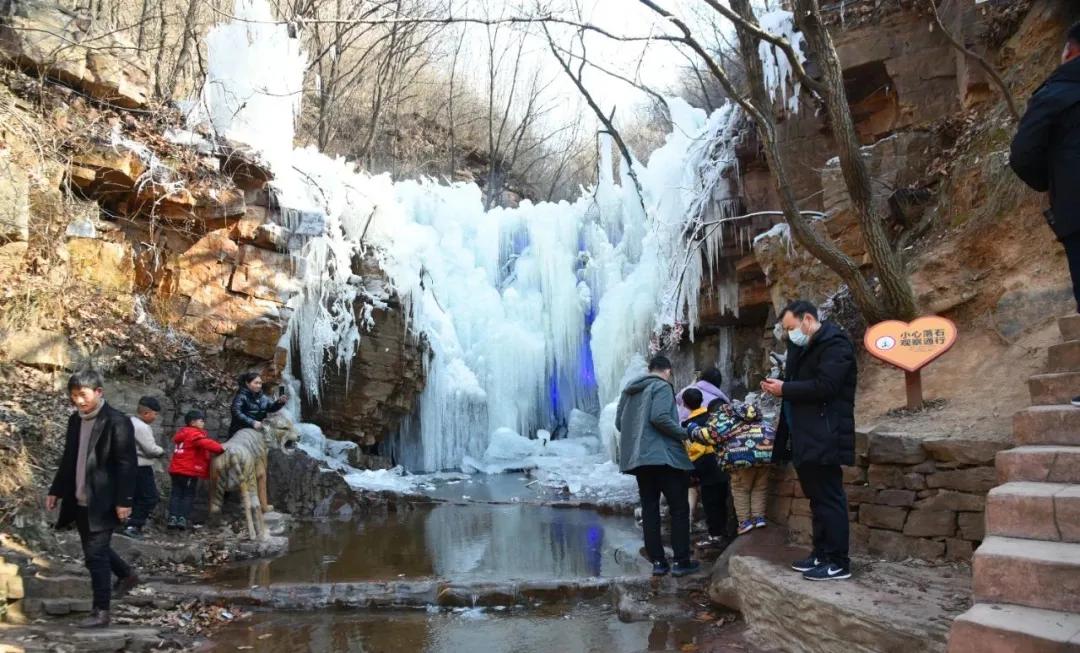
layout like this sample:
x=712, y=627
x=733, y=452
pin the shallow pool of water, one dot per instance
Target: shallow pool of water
x=583, y=628
x=455, y=542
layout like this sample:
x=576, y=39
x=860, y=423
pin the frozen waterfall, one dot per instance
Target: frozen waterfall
x=531, y=313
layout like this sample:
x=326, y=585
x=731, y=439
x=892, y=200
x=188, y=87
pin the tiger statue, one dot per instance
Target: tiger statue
x=242, y=466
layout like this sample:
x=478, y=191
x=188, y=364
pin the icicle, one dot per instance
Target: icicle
x=779, y=76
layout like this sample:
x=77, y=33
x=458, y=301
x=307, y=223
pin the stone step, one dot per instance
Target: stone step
x=409, y=593
x=883, y=607
x=40, y=586
x=1069, y=326
x=1036, y=511
x=1064, y=357
x=1049, y=464
x=1031, y=573
x=1047, y=425
x=1054, y=389
x=1002, y=628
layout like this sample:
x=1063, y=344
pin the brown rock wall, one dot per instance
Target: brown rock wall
x=365, y=403
x=44, y=38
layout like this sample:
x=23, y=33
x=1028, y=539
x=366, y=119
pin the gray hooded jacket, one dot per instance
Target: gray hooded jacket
x=648, y=423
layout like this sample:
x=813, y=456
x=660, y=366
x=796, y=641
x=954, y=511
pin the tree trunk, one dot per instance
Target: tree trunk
x=896, y=295
x=187, y=39
x=159, y=60
x=450, y=108
x=817, y=244
x=144, y=16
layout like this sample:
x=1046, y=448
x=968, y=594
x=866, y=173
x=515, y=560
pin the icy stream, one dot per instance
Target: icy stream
x=534, y=315
x=483, y=535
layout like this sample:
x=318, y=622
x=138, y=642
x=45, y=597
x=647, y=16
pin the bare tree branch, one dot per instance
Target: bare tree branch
x=1010, y=101
x=604, y=119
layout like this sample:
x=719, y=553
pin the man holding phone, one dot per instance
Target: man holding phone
x=817, y=430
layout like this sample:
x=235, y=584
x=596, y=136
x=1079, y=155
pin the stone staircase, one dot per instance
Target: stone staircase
x=1027, y=571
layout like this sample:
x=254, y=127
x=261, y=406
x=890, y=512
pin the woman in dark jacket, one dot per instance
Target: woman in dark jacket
x=250, y=406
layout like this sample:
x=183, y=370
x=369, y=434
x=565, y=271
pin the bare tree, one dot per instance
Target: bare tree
x=451, y=124
x=895, y=297
x=607, y=120
x=189, y=37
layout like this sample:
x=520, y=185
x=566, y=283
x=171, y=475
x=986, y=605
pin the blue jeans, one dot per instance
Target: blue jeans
x=183, y=495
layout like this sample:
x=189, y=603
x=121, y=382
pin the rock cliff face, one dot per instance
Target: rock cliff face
x=179, y=224
x=381, y=387
x=936, y=139
x=44, y=38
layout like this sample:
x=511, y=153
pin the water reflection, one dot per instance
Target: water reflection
x=580, y=629
x=525, y=542
x=456, y=542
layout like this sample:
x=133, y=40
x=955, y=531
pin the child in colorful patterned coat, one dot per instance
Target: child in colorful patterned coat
x=744, y=445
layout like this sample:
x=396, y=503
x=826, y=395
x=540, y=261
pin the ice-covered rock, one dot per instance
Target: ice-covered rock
x=506, y=446
x=583, y=425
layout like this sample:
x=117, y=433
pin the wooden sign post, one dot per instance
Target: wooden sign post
x=911, y=346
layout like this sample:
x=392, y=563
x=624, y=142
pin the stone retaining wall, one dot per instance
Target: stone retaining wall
x=908, y=496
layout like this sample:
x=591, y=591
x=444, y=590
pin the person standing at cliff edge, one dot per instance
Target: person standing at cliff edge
x=651, y=447
x=1045, y=153
x=817, y=430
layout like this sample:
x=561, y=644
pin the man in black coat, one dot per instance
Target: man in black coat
x=817, y=431
x=94, y=486
x=1046, y=152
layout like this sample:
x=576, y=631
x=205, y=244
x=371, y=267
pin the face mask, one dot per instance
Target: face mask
x=798, y=338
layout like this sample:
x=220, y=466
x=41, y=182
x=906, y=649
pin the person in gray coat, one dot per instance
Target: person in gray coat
x=651, y=447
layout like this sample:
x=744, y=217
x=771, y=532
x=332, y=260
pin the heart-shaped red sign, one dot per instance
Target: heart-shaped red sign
x=910, y=346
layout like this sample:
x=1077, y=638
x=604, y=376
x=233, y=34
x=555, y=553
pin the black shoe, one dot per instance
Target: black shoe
x=828, y=571
x=134, y=532
x=172, y=523
x=125, y=585
x=181, y=523
x=685, y=568
x=660, y=568
x=97, y=619
x=1075, y=402
x=806, y=564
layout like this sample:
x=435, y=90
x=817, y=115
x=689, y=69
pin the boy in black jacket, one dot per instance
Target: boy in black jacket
x=99, y=437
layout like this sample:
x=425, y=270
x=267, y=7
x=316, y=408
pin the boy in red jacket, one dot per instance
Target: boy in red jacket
x=190, y=462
